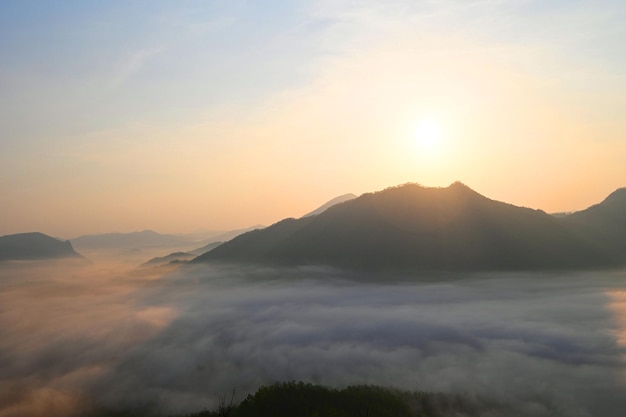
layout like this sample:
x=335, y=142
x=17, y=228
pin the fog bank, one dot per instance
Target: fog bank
x=81, y=338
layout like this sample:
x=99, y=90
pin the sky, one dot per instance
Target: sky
x=215, y=115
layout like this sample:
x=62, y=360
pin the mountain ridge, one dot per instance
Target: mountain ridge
x=116, y=240
x=424, y=228
x=337, y=200
x=35, y=245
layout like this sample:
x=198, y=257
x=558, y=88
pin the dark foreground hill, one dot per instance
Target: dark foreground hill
x=298, y=399
x=31, y=246
x=452, y=228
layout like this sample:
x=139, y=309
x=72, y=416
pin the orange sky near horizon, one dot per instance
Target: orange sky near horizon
x=532, y=120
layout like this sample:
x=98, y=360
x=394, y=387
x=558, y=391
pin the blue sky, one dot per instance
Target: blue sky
x=111, y=62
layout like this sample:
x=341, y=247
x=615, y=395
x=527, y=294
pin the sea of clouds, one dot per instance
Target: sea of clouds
x=75, y=339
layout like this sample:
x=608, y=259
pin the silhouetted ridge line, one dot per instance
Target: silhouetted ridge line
x=337, y=200
x=414, y=227
x=603, y=225
x=145, y=238
x=34, y=245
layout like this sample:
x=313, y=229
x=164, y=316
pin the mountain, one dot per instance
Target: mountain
x=146, y=238
x=182, y=253
x=225, y=236
x=421, y=228
x=31, y=246
x=329, y=204
x=206, y=248
x=185, y=256
x=175, y=257
x=603, y=224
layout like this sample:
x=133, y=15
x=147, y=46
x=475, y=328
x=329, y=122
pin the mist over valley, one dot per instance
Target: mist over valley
x=78, y=339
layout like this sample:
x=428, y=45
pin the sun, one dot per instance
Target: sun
x=428, y=141
x=427, y=135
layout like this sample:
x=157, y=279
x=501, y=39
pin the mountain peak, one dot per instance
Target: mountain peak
x=416, y=227
x=616, y=196
x=458, y=185
x=330, y=203
x=414, y=193
x=34, y=245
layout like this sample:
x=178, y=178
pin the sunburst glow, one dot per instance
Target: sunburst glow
x=427, y=135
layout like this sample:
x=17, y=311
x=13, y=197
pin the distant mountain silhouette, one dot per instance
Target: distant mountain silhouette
x=220, y=238
x=172, y=257
x=182, y=253
x=329, y=204
x=31, y=246
x=206, y=248
x=415, y=227
x=144, y=239
x=136, y=242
